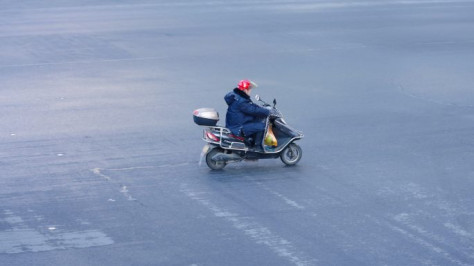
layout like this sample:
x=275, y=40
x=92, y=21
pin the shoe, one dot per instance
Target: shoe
x=270, y=148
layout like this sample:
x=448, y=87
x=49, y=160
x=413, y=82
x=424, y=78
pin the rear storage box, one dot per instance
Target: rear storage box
x=205, y=117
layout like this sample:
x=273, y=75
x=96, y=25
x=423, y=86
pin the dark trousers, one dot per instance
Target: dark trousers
x=255, y=130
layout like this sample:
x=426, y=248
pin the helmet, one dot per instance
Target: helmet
x=246, y=84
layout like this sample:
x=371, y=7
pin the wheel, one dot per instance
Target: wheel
x=214, y=165
x=291, y=154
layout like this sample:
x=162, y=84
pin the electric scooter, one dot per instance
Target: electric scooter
x=223, y=147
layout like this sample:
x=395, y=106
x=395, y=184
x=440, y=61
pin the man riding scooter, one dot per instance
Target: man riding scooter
x=245, y=118
x=246, y=121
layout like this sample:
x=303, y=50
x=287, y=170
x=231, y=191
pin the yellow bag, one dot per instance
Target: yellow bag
x=270, y=139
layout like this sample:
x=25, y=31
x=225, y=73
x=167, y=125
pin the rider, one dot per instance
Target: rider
x=244, y=118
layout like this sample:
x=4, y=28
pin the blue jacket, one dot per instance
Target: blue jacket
x=241, y=110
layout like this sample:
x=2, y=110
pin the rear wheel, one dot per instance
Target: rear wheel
x=214, y=165
x=291, y=154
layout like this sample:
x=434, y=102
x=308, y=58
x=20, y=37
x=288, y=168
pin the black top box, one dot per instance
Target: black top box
x=205, y=117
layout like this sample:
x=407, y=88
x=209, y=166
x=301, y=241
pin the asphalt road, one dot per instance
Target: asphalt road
x=99, y=155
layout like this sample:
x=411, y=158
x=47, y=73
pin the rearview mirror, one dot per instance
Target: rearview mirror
x=257, y=97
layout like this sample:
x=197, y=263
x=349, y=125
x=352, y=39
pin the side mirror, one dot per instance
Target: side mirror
x=274, y=102
x=257, y=97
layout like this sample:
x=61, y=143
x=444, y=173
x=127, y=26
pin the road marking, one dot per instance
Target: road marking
x=259, y=233
x=287, y=200
x=98, y=172
x=20, y=237
x=123, y=188
x=418, y=236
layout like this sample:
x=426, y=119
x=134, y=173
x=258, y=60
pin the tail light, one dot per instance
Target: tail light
x=211, y=136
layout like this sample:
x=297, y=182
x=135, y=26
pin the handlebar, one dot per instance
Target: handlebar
x=274, y=112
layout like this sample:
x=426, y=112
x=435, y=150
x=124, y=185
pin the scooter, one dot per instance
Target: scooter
x=223, y=147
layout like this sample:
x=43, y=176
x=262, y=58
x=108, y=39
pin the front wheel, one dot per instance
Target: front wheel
x=291, y=154
x=214, y=165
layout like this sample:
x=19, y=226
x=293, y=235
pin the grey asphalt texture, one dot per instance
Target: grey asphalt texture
x=99, y=156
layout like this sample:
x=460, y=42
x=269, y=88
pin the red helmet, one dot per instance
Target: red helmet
x=246, y=84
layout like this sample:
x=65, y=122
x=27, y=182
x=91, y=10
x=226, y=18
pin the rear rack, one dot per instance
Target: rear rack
x=223, y=142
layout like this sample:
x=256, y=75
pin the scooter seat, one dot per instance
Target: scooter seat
x=237, y=137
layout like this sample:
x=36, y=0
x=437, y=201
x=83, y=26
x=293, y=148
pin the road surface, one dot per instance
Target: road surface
x=99, y=154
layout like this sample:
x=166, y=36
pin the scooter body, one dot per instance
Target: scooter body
x=223, y=147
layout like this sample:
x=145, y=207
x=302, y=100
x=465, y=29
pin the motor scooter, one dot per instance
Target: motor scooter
x=223, y=147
